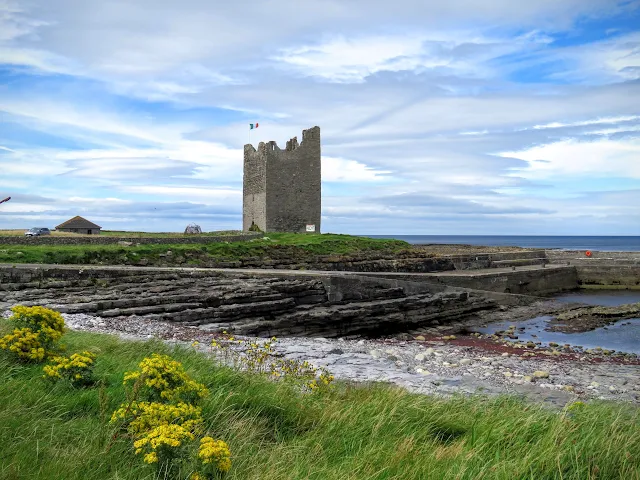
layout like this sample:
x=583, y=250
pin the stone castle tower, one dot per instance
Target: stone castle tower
x=282, y=188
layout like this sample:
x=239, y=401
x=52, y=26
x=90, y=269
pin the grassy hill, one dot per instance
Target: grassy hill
x=276, y=432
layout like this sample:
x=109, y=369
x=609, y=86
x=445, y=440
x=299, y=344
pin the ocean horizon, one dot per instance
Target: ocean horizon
x=597, y=243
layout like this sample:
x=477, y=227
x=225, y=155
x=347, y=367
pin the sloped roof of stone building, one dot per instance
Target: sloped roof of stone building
x=78, y=222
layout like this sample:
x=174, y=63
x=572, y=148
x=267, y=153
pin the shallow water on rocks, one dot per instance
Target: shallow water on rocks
x=622, y=336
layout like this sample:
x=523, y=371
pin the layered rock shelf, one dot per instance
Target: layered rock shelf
x=242, y=303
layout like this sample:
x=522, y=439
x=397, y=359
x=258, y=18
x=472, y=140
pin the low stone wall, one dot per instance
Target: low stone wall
x=108, y=240
x=609, y=276
x=542, y=281
x=532, y=282
x=602, y=269
x=579, y=257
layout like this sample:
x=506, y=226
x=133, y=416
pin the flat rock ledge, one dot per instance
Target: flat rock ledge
x=245, y=304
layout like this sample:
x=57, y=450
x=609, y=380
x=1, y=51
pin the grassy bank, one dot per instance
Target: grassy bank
x=275, y=432
x=277, y=245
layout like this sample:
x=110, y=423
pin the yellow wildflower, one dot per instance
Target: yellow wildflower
x=164, y=378
x=162, y=443
x=140, y=417
x=37, y=330
x=215, y=453
x=78, y=368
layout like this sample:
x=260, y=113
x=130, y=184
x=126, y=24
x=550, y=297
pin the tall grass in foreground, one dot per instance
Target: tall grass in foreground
x=373, y=432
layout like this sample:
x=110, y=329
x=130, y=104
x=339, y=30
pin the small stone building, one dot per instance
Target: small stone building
x=79, y=225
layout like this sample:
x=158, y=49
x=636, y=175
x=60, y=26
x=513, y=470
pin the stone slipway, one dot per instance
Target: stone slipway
x=524, y=280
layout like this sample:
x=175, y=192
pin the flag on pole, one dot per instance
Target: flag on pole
x=252, y=126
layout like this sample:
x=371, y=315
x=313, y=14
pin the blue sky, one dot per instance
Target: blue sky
x=458, y=117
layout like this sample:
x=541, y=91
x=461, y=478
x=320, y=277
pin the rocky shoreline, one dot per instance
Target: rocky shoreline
x=430, y=363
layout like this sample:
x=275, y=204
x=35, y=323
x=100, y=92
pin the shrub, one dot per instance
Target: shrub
x=162, y=378
x=163, y=444
x=140, y=417
x=254, y=228
x=25, y=343
x=214, y=455
x=36, y=333
x=78, y=368
x=165, y=422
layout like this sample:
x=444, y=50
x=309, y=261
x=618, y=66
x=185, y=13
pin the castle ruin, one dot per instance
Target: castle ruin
x=282, y=188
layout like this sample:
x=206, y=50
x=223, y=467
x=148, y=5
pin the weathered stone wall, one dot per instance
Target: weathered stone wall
x=107, y=240
x=82, y=231
x=578, y=257
x=602, y=269
x=533, y=282
x=614, y=276
x=254, y=188
x=282, y=189
x=523, y=282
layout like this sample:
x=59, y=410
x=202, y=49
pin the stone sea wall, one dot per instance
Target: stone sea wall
x=602, y=269
x=614, y=276
x=542, y=281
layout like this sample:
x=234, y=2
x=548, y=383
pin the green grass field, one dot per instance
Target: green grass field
x=287, y=245
x=275, y=432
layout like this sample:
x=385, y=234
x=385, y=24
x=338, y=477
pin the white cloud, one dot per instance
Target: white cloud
x=594, y=121
x=187, y=192
x=601, y=158
x=343, y=170
x=353, y=58
x=614, y=59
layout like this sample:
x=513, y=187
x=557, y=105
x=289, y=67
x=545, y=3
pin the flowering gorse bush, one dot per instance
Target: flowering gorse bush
x=162, y=416
x=259, y=357
x=78, y=368
x=37, y=330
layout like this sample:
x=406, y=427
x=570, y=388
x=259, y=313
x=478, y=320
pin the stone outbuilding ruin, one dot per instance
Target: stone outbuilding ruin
x=282, y=188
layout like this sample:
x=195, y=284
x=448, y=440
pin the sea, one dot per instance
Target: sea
x=598, y=243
